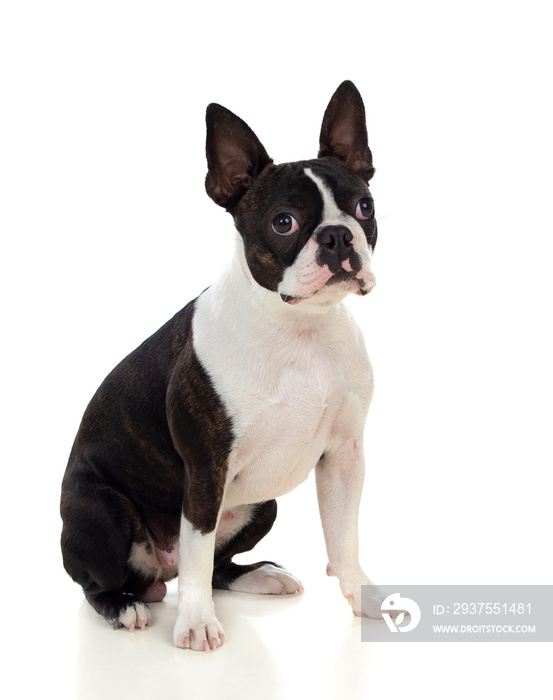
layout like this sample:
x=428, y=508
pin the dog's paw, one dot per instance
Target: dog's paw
x=135, y=615
x=198, y=635
x=371, y=605
x=267, y=579
x=351, y=582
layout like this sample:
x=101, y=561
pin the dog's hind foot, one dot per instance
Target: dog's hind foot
x=121, y=610
x=135, y=615
x=268, y=579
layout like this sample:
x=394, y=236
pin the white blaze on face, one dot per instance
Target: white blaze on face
x=332, y=214
x=306, y=277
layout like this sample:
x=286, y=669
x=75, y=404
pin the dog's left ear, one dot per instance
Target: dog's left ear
x=235, y=156
x=344, y=131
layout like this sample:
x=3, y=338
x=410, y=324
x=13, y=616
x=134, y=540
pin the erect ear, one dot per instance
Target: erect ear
x=235, y=156
x=344, y=131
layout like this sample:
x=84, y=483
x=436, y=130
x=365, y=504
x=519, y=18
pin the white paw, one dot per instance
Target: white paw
x=372, y=604
x=351, y=583
x=268, y=579
x=135, y=615
x=197, y=629
x=198, y=636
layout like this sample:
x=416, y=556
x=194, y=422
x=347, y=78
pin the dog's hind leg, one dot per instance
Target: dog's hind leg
x=99, y=527
x=263, y=577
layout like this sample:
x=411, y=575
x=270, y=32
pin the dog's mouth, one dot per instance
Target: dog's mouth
x=290, y=299
x=342, y=276
x=342, y=281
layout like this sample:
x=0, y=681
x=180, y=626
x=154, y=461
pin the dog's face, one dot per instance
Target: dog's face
x=308, y=227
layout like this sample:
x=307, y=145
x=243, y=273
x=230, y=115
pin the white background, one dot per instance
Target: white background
x=106, y=231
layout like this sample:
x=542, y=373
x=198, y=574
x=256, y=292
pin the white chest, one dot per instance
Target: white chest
x=286, y=385
x=283, y=425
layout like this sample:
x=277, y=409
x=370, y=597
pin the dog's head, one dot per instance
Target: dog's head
x=308, y=227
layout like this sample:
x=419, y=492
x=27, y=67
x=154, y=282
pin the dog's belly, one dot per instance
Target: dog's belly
x=261, y=477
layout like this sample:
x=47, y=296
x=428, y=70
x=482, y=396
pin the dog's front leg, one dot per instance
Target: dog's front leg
x=202, y=436
x=339, y=476
x=197, y=626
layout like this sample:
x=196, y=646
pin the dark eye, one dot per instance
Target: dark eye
x=365, y=208
x=285, y=225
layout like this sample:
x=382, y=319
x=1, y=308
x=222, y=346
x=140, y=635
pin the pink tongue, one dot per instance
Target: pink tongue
x=294, y=301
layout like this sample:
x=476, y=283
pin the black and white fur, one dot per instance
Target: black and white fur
x=188, y=442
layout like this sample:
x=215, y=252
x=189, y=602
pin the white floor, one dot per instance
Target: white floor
x=279, y=648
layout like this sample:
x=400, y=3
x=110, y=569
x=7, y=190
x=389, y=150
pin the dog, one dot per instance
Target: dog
x=187, y=443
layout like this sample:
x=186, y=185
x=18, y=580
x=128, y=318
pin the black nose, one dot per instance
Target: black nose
x=336, y=239
x=335, y=242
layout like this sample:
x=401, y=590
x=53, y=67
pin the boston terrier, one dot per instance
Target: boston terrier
x=187, y=443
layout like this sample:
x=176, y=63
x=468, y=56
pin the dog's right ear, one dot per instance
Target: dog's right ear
x=235, y=156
